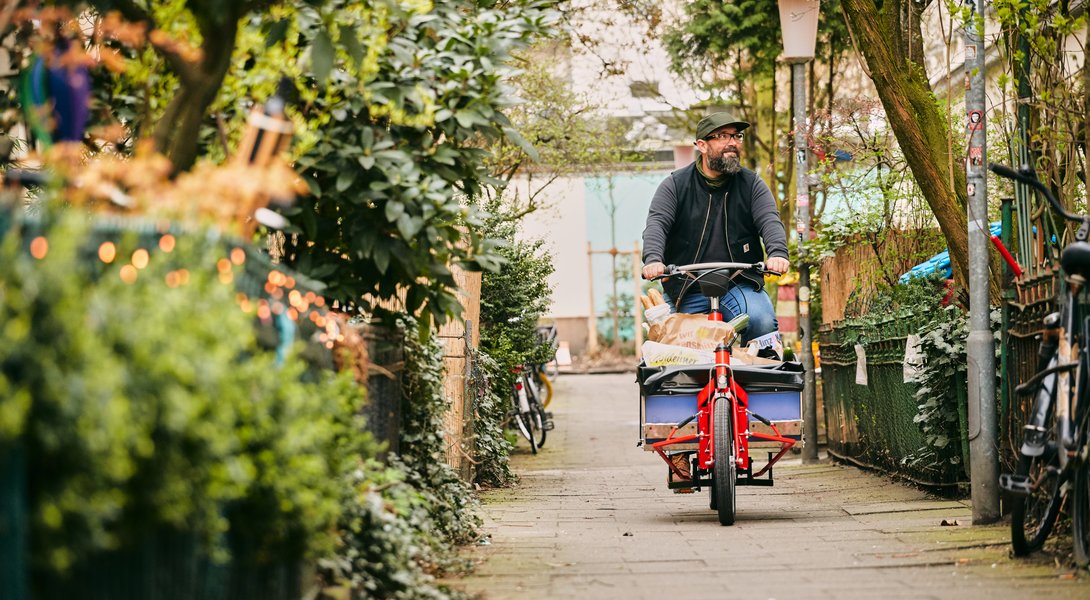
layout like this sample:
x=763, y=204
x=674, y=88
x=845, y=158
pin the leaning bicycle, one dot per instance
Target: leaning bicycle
x=1055, y=450
x=527, y=410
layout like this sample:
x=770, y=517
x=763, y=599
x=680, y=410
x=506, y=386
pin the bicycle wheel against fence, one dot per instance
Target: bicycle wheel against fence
x=521, y=415
x=537, y=412
x=723, y=469
x=1080, y=515
x=1033, y=516
x=1080, y=492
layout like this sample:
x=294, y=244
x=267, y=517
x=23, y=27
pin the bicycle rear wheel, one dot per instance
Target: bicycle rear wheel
x=522, y=413
x=524, y=426
x=1034, y=516
x=724, y=472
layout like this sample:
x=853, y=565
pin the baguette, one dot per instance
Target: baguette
x=646, y=302
x=656, y=297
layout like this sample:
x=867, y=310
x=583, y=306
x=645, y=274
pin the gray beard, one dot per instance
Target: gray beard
x=728, y=165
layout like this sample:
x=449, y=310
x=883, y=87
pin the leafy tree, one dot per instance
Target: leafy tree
x=396, y=140
x=561, y=133
x=1034, y=42
x=732, y=48
x=890, y=39
x=199, y=74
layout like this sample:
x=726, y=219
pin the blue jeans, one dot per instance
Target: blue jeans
x=738, y=300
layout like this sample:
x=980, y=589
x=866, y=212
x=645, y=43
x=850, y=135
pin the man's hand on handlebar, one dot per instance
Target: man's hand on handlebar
x=777, y=264
x=652, y=270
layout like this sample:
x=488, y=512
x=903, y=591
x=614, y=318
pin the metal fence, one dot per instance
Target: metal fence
x=874, y=424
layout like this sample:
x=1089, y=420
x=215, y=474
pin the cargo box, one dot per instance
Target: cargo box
x=668, y=396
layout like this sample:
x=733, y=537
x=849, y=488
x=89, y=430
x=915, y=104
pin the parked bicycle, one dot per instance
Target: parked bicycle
x=527, y=410
x=1055, y=449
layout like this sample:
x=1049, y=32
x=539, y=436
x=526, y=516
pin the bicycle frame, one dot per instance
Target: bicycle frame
x=722, y=387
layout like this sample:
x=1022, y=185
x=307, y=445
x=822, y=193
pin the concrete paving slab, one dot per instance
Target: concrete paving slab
x=592, y=518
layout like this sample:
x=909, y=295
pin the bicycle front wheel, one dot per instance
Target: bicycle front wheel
x=1033, y=516
x=1080, y=515
x=724, y=472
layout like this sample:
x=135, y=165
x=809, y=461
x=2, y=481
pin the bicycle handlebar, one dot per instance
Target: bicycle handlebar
x=1025, y=174
x=672, y=270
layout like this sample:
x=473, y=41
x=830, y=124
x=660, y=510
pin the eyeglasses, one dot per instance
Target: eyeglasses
x=726, y=136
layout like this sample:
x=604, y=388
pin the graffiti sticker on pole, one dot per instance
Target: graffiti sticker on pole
x=976, y=156
x=976, y=120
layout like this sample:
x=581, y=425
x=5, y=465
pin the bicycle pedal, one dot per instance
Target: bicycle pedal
x=1020, y=485
x=549, y=425
x=684, y=490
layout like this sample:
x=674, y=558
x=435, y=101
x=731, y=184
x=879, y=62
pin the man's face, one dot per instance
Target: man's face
x=723, y=147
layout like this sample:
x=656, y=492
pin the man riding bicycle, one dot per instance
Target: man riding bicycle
x=715, y=210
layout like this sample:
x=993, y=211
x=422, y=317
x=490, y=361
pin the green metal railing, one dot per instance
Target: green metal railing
x=875, y=424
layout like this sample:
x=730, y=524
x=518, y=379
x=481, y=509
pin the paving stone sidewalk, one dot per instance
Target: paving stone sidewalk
x=592, y=518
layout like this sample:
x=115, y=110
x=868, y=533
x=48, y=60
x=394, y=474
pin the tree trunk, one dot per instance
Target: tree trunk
x=918, y=125
x=177, y=135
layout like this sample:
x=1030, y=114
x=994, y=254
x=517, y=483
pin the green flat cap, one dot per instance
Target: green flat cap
x=716, y=120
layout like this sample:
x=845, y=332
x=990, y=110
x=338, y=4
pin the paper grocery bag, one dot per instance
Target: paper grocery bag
x=690, y=331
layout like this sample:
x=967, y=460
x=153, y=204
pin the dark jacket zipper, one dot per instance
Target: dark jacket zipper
x=726, y=228
x=707, y=217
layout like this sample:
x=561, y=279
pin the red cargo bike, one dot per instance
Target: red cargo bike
x=712, y=417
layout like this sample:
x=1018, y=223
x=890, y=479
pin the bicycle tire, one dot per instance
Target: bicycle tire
x=713, y=502
x=536, y=414
x=522, y=423
x=1034, y=516
x=1080, y=515
x=724, y=471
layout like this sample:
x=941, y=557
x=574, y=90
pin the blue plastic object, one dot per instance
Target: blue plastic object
x=940, y=263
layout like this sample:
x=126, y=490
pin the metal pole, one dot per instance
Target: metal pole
x=592, y=319
x=637, y=308
x=802, y=220
x=983, y=451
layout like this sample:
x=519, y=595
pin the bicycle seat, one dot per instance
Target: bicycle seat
x=714, y=284
x=1075, y=259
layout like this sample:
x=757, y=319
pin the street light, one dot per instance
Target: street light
x=798, y=24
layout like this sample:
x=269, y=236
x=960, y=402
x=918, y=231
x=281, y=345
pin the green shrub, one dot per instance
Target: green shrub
x=401, y=521
x=147, y=405
x=513, y=300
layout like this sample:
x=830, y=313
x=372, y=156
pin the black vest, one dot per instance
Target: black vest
x=692, y=220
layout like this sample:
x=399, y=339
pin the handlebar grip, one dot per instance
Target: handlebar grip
x=759, y=418
x=687, y=421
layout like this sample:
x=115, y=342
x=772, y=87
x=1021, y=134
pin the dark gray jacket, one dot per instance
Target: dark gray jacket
x=677, y=223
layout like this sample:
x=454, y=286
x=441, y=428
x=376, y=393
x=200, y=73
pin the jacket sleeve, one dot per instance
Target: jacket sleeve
x=767, y=219
x=660, y=218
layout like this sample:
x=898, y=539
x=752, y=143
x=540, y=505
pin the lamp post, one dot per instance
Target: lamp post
x=798, y=24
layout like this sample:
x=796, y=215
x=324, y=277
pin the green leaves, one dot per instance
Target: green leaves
x=322, y=55
x=402, y=151
x=147, y=404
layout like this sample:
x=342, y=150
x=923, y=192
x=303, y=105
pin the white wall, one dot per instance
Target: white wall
x=562, y=223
